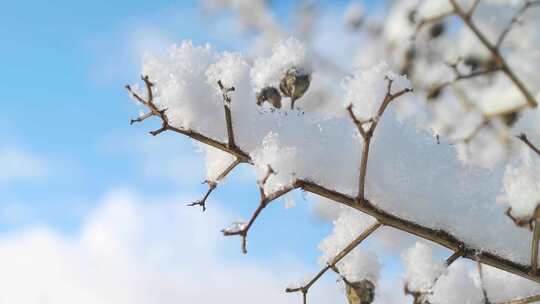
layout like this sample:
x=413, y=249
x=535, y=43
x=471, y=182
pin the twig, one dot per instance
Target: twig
x=515, y=20
x=212, y=185
x=202, y=202
x=264, y=201
x=482, y=283
x=441, y=237
x=499, y=59
x=332, y=264
x=368, y=134
x=227, y=106
x=456, y=255
x=473, y=7
x=459, y=76
x=526, y=140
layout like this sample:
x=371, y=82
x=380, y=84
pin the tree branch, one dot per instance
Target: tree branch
x=459, y=76
x=515, y=20
x=438, y=236
x=482, y=284
x=212, y=185
x=456, y=255
x=368, y=134
x=243, y=229
x=499, y=59
x=526, y=140
x=227, y=106
x=332, y=264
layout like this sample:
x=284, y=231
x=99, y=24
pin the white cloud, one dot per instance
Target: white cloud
x=133, y=252
x=17, y=164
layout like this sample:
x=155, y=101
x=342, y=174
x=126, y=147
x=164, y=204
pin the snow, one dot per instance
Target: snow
x=458, y=285
x=422, y=269
x=287, y=54
x=291, y=142
x=359, y=264
x=452, y=185
x=522, y=185
x=366, y=89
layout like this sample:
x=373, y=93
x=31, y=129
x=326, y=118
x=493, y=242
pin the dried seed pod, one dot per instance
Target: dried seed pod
x=433, y=93
x=474, y=62
x=271, y=95
x=362, y=292
x=436, y=30
x=294, y=84
x=510, y=118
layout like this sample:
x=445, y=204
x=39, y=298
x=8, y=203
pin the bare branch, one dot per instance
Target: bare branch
x=515, y=20
x=473, y=7
x=359, y=123
x=264, y=201
x=459, y=76
x=499, y=59
x=482, y=284
x=202, y=202
x=526, y=140
x=368, y=134
x=456, y=255
x=227, y=107
x=212, y=185
x=438, y=236
x=332, y=264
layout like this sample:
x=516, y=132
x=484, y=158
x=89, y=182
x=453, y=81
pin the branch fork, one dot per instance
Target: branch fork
x=265, y=200
x=212, y=185
x=368, y=131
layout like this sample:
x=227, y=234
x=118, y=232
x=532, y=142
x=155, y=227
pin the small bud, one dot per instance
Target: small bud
x=362, y=292
x=271, y=95
x=294, y=84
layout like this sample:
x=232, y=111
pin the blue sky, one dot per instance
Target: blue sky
x=64, y=67
x=64, y=64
